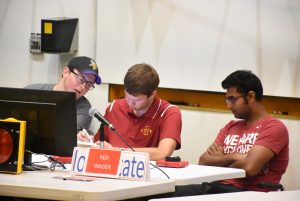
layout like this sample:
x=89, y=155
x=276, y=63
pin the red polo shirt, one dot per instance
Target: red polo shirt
x=162, y=120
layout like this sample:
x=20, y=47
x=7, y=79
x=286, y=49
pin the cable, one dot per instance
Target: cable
x=123, y=139
x=160, y=170
x=34, y=167
x=55, y=163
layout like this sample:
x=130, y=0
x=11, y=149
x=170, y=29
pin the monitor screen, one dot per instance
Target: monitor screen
x=50, y=118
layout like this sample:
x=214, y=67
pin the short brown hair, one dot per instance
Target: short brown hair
x=141, y=79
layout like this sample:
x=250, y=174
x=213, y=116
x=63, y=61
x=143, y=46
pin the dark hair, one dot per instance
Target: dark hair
x=244, y=81
x=141, y=79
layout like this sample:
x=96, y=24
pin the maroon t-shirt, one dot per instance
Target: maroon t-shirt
x=268, y=132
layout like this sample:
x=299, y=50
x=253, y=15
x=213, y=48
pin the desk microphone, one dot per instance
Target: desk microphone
x=95, y=113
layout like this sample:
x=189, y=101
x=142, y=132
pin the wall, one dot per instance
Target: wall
x=19, y=67
x=19, y=18
x=197, y=41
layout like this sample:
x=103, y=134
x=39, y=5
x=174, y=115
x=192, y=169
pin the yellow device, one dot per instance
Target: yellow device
x=12, y=145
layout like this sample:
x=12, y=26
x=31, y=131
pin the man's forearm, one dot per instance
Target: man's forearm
x=223, y=160
x=155, y=153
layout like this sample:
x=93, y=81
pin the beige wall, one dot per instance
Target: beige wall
x=193, y=44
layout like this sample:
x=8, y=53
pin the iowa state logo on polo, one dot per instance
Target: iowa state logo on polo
x=146, y=131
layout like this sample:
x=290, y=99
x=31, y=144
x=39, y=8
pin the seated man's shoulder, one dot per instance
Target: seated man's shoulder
x=273, y=121
x=84, y=102
x=116, y=105
x=166, y=105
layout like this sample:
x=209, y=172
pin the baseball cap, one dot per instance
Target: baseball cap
x=85, y=65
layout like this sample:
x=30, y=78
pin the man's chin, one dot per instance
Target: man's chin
x=77, y=95
x=236, y=116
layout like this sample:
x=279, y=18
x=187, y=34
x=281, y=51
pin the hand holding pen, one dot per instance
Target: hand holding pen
x=84, y=136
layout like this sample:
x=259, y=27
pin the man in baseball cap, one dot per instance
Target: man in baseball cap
x=79, y=76
x=85, y=65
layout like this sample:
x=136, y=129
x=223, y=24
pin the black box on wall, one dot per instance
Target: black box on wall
x=59, y=35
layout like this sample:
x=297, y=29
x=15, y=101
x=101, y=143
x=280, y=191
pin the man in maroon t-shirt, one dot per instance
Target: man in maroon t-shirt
x=257, y=143
x=146, y=122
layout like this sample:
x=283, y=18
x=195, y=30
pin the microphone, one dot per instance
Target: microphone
x=95, y=113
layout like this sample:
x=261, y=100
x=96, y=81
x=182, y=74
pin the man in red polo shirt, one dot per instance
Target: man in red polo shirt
x=147, y=123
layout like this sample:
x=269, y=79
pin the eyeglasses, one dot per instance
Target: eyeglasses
x=232, y=99
x=88, y=85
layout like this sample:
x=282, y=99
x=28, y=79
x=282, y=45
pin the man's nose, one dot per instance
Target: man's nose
x=130, y=102
x=82, y=85
x=229, y=105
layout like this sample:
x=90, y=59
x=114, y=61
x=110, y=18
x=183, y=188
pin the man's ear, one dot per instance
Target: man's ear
x=251, y=96
x=65, y=72
x=154, y=93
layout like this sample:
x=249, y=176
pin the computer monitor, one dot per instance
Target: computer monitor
x=50, y=118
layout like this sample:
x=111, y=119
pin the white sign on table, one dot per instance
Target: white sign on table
x=110, y=163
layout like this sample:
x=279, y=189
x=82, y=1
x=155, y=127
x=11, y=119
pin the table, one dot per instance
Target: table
x=244, y=196
x=197, y=174
x=42, y=185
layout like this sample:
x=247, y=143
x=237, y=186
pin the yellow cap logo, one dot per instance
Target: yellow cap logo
x=93, y=65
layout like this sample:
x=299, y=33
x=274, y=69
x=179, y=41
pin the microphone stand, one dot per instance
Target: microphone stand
x=102, y=136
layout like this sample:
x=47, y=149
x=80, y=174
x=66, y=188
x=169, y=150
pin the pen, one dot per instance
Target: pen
x=85, y=132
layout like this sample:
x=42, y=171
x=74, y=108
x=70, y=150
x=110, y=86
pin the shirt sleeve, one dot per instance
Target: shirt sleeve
x=273, y=135
x=172, y=125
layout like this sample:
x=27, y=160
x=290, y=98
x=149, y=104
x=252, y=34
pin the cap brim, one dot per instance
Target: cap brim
x=97, y=80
